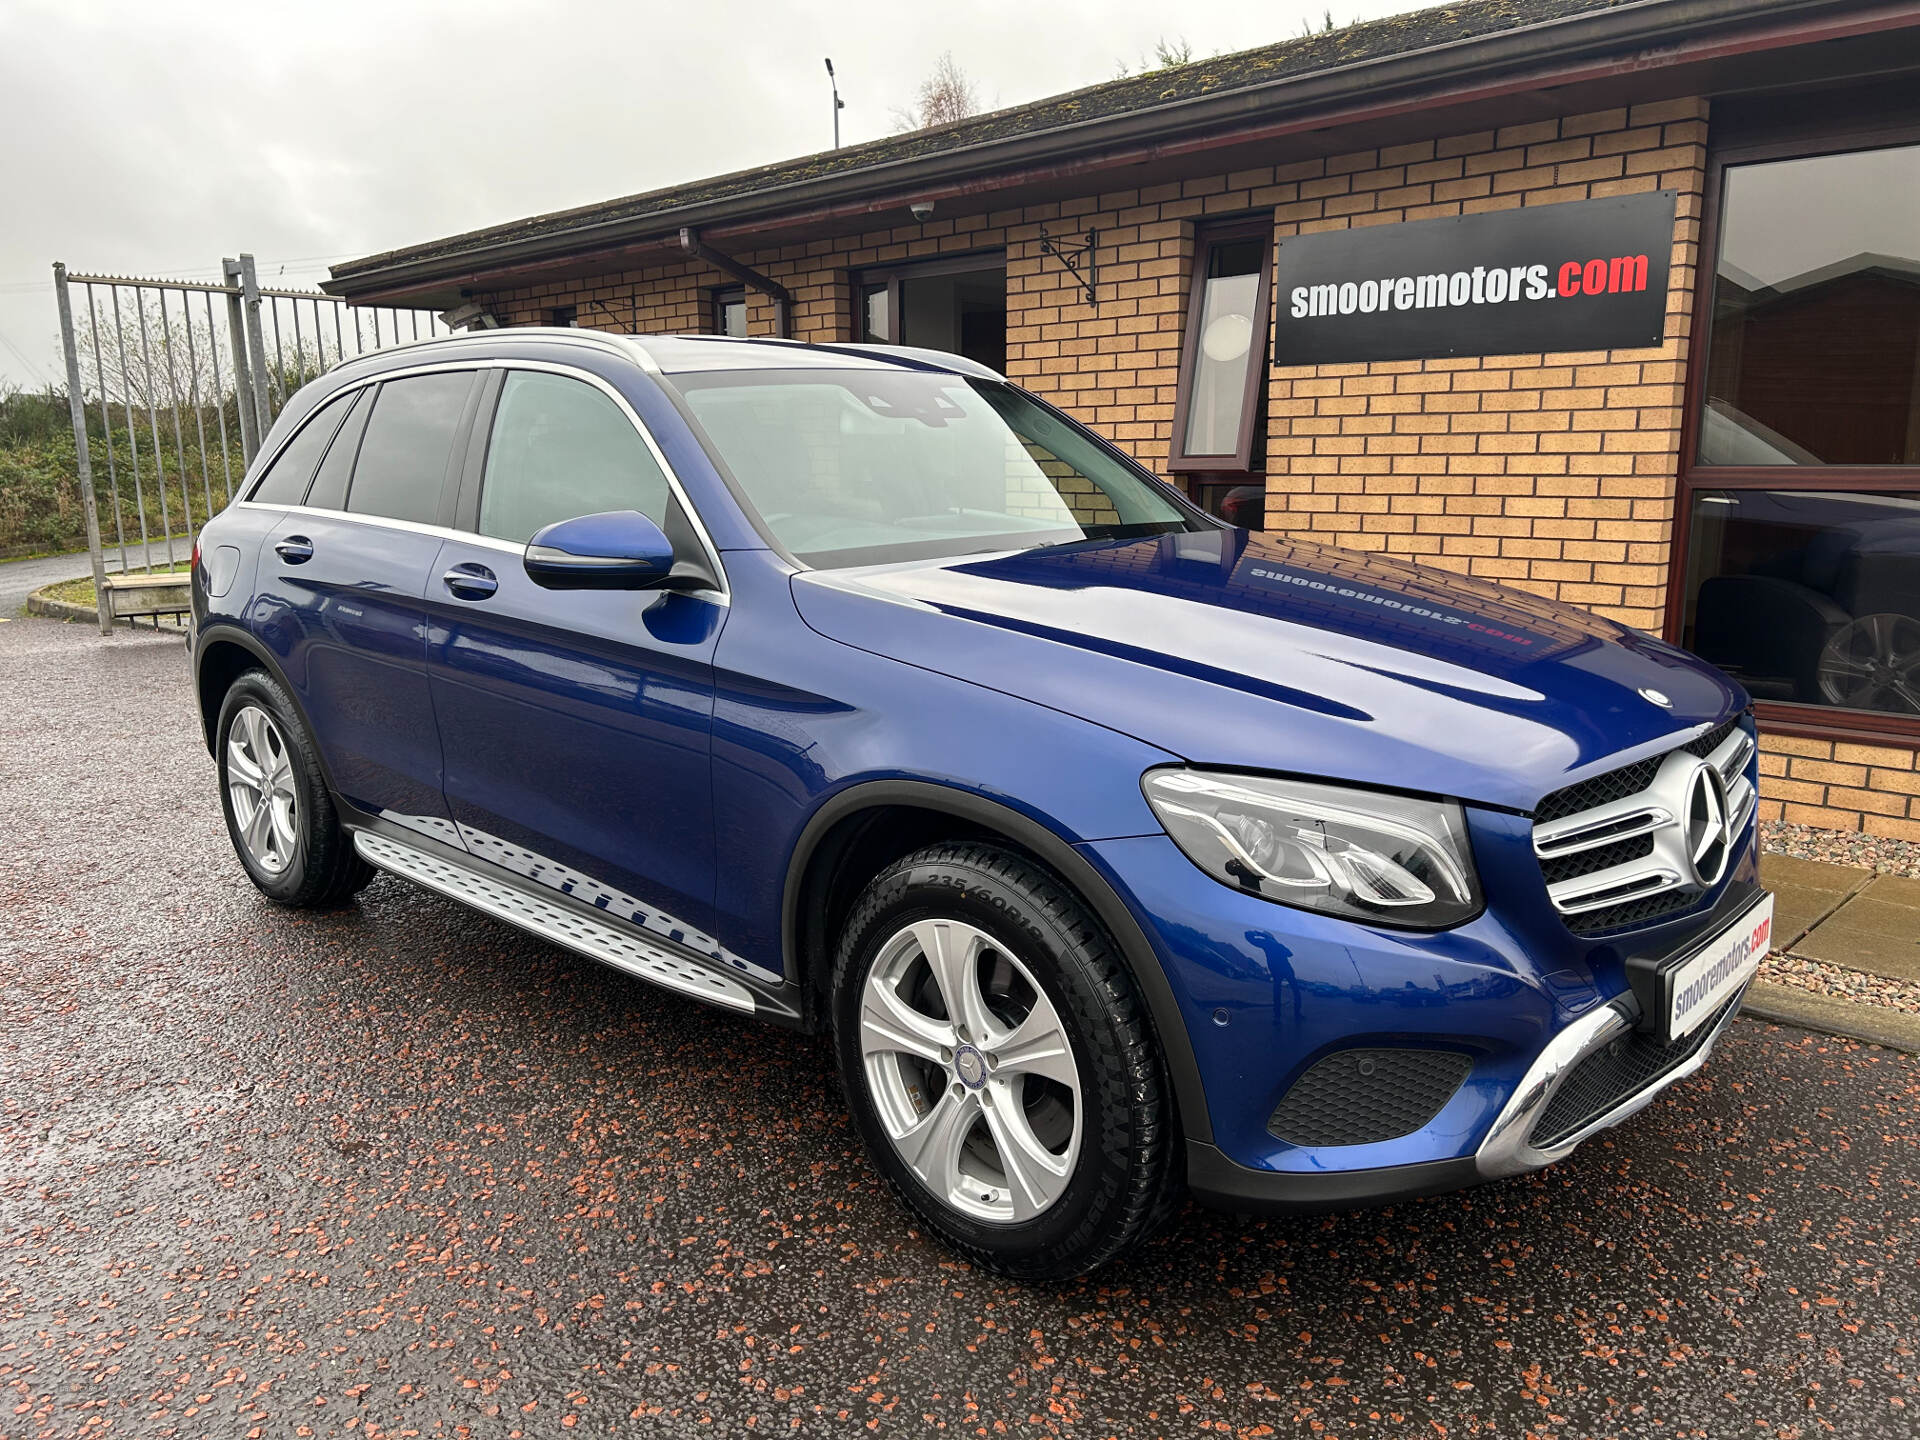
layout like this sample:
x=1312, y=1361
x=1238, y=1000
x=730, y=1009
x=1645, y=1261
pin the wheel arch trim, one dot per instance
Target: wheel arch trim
x=220, y=633
x=1047, y=845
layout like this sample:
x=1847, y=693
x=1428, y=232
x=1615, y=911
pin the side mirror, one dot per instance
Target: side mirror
x=615, y=550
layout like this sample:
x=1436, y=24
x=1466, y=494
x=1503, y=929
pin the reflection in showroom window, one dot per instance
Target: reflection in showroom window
x=1808, y=589
x=1809, y=596
x=1816, y=313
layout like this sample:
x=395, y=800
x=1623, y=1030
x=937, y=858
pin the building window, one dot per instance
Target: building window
x=957, y=304
x=565, y=315
x=727, y=313
x=1800, y=507
x=1224, y=358
x=1809, y=596
x=876, y=325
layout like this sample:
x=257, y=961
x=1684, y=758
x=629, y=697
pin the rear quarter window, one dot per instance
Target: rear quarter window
x=285, y=480
x=329, y=488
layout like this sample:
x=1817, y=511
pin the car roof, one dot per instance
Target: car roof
x=684, y=354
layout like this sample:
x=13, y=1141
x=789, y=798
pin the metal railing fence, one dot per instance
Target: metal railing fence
x=175, y=383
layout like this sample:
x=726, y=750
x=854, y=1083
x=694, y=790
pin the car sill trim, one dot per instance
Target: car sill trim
x=596, y=939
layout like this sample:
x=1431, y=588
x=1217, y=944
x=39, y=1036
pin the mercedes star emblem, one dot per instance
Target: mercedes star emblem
x=1709, y=838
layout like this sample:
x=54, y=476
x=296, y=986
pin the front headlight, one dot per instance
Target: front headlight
x=1359, y=854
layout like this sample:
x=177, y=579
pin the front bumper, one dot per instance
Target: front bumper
x=1512, y=1146
x=1525, y=1138
x=1266, y=993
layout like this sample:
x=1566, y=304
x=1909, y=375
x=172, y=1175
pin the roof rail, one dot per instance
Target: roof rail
x=634, y=347
x=907, y=357
x=618, y=344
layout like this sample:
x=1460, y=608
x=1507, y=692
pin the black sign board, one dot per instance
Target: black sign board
x=1585, y=275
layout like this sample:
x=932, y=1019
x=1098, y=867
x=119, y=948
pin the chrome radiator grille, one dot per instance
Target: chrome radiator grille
x=1650, y=838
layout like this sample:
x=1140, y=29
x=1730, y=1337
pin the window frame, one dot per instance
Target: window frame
x=1206, y=237
x=464, y=520
x=363, y=395
x=1802, y=135
x=891, y=275
x=482, y=403
x=252, y=491
x=718, y=298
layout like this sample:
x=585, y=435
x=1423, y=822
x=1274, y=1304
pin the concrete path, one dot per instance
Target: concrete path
x=399, y=1169
x=1846, y=917
x=20, y=578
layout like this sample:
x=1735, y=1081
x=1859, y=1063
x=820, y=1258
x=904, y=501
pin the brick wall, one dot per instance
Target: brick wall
x=1840, y=785
x=660, y=301
x=1551, y=472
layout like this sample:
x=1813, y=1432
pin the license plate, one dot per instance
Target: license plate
x=1695, y=988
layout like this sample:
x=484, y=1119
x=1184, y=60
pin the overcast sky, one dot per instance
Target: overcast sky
x=154, y=137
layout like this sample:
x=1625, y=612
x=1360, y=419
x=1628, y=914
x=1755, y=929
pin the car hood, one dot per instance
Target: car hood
x=1234, y=649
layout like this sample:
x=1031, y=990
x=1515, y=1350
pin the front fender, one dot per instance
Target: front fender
x=1108, y=905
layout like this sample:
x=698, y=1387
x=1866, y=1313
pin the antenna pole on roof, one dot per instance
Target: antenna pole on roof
x=838, y=103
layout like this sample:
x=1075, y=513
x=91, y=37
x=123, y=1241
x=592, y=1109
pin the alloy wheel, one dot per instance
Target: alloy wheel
x=261, y=790
x=1873, y=663
x=971, y=1071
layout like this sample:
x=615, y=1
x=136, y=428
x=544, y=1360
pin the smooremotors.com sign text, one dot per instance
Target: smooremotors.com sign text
x=1585, y=275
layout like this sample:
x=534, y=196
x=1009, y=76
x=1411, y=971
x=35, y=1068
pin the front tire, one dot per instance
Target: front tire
x=280, y=815
x=999, y=1063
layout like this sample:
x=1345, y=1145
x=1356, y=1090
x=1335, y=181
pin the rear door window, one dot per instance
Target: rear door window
x=329, y=490
x=560, y=449
x=404, y=455
x=285, y=480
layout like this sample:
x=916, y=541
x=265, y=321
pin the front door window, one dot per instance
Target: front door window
x=561, y=449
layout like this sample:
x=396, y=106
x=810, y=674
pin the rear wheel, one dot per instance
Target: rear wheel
x=1000, y=1065
x=279, y=815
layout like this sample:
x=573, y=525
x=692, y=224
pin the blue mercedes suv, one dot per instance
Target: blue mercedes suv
x=1120, y=852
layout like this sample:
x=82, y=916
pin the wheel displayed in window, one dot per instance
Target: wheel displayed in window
x=999, y=1064
x=279, y=814
x=1873, y=663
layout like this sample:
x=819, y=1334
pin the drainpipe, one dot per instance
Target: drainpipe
x=691, y=244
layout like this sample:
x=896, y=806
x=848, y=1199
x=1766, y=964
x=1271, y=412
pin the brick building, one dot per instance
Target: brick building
x=1744, y=476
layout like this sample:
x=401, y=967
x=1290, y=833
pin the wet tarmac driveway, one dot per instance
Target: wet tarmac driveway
x=402, y=1171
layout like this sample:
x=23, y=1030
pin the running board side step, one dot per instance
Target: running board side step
x=597, y=939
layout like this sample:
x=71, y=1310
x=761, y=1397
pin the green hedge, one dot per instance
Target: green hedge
x=39, y=476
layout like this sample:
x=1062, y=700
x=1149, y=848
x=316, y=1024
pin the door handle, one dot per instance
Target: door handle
x=470, y=582
x=295, y=549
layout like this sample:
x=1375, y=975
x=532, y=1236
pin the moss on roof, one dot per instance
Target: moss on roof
x=1304, y=56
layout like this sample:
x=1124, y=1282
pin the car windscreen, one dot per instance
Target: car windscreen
x=861, y=467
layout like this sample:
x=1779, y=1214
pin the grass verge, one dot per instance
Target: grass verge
x=80, y=592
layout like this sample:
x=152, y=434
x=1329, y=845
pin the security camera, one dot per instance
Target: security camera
x=922, y=210
x=470, y=316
